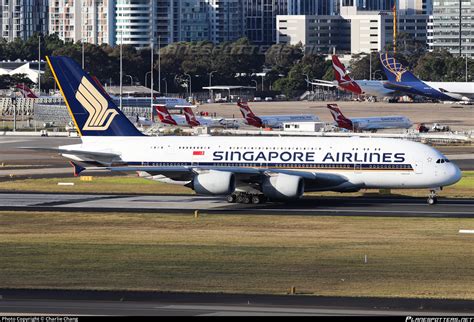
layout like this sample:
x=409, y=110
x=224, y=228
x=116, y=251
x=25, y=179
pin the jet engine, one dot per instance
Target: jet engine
x=283, y=186
x=213, y=183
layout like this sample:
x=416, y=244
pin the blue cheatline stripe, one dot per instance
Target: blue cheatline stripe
x=317, y=166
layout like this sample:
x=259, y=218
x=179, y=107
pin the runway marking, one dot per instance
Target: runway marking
x=12, y=141
x=276, y=310
x=466, y=231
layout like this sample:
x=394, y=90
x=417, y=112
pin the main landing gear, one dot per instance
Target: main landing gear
x=432, y=198
x=246, y=198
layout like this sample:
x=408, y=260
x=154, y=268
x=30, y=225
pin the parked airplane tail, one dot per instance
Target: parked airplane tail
x=93, y=112
x=190, y=118
x=340, y=119
x=249, y=116
x=25, y=91
x=395, y=71
x=164, y=115
x=344, y=80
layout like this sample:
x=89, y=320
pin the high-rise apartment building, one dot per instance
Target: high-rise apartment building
x=22, y=18
x=448, y=34
x=65, y=19
x=90, y=21
x=98, y=21
x=311, y=7
x=260, y=19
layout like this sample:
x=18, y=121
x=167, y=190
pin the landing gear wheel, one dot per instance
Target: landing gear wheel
x=256, y=199
x=231, y=198
x=432, y=198
x=239, y=198
x=246, y=199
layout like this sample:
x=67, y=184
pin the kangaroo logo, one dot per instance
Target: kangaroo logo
x=164, y=115
x=190, y=118
x=100, y=116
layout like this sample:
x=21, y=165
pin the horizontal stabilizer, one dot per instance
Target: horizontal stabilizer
x=101, y=157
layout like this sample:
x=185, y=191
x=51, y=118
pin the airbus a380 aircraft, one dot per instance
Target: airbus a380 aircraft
x=246, y=169
x=368, y=123
x=273, y=121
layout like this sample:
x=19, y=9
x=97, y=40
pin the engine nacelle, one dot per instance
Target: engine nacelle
x=283, y=186
x=214, y=183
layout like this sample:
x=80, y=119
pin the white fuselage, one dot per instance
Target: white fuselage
x=374, y=88
x=278, y=120
x=381, y=122
x=205, y=121
x=364, y=162
x=459, y=90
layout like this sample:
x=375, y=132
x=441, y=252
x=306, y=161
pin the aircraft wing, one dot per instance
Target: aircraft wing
x=399, y=87
x=101, y=157
x=322, y=83
x=184, y=173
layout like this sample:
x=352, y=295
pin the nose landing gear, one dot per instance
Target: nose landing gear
x=432, y=198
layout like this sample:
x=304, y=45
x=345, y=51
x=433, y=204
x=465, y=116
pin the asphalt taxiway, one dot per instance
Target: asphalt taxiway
x=317, y=206
x=48, y=302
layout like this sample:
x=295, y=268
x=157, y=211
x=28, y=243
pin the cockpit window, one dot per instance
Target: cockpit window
x=442, y=161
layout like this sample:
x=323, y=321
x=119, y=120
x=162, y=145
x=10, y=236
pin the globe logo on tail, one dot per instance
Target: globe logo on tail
x=394, y=67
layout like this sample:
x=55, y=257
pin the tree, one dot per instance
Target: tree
x=360, y=66
x=282, y=57
x=8, y=81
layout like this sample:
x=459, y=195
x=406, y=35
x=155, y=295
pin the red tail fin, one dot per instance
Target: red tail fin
x=340, y=119
x=344, y=80
x=164, y=116
x=190, y=118
x=248, y=115
x=26, y=92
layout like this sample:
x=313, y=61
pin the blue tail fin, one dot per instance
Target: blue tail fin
x=93, y=113
x=395, y=71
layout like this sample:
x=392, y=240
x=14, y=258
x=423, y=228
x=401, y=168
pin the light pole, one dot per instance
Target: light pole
x=146, y=78
x=210, y=84
x=84, y=25
x=39, y=65
x=166, y=86
x=121, y=72
x=131, y=79
x=190, y=84
x=256, y=83
x=159, y=64
x=466, y=68
x=370, y=64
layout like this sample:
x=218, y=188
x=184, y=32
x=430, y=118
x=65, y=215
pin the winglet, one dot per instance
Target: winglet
x=77, y=168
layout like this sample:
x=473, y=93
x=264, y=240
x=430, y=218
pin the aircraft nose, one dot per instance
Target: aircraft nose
x=453, y=174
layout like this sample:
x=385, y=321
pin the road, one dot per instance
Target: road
x=317, y=206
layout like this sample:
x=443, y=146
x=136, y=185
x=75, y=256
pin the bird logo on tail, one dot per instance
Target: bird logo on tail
x=100, y=116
